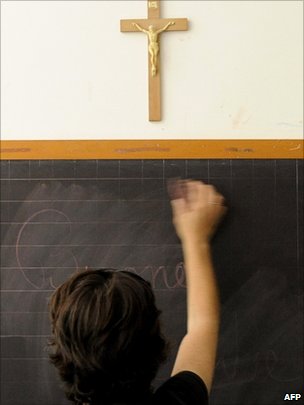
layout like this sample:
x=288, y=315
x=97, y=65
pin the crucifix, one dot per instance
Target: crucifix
x=153, y=26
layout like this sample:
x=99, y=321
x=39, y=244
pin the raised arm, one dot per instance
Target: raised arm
x=165, y=27
x=140, y=28
x=197, y=210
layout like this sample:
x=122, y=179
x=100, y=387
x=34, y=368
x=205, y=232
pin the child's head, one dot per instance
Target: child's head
x=106, y=343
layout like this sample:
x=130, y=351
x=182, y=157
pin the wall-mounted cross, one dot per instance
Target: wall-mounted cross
x=153, y=26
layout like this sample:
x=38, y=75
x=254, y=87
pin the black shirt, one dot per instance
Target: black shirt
x=184, y=388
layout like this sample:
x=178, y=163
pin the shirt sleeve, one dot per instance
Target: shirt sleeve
x=184, y=388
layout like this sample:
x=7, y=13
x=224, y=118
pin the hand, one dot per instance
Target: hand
x=197, y=210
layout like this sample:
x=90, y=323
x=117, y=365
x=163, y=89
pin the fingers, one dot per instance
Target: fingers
x=194, y=193
x=179, y=206
x=197, y=208
x=193, y=189
x=216, y=198
x=177, y=193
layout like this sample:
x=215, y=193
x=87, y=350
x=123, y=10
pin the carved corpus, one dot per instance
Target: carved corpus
x=153, y=26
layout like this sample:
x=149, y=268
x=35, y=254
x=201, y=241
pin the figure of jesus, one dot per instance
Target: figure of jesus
x=153, y=33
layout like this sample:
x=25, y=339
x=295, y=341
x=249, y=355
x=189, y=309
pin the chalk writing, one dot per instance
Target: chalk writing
x=162, y=277
x=37, y=259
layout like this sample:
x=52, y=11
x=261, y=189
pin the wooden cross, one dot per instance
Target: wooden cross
x=152, y=27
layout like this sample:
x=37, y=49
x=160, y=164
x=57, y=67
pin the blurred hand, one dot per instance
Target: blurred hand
x=197, y=210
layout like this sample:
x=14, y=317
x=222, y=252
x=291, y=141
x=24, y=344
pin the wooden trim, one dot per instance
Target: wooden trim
x=152, y=149
x=153, y=8
x=154, y=92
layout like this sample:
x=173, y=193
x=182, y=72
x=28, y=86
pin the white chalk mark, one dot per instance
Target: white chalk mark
x=19, y=238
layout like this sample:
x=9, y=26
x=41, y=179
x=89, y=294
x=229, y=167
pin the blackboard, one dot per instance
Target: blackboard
x=59, y=216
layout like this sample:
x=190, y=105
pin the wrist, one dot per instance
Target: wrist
x=195, y=242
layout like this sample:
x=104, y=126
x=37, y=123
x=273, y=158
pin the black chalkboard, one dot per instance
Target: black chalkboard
x=59, y=216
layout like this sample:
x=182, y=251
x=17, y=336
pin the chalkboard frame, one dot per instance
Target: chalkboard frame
x=152, y=149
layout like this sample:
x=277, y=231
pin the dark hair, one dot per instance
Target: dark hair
x=106, y=340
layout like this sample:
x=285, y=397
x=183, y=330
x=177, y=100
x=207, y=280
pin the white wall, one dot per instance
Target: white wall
x=68, y=72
